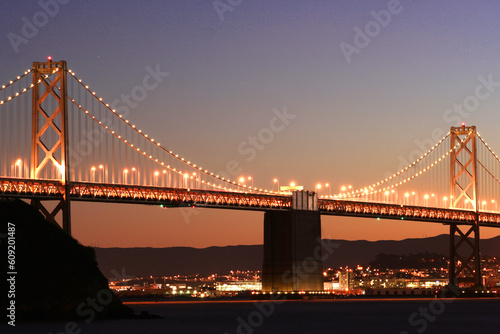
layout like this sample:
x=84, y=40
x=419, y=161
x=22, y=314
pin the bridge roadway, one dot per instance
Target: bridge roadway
x=175, y=197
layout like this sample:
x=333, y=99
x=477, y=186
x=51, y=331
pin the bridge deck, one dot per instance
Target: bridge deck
x=173, y=197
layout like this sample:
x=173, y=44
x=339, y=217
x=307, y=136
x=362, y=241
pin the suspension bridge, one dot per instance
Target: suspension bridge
x=61, y=142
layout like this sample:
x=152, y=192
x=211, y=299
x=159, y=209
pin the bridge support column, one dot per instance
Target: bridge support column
x=49, y=115
x=465, y=259
x=292, y=247
x=463, y=192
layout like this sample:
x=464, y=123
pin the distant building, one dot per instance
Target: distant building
x=346, y=280
x=331, y=286
x=237, y=286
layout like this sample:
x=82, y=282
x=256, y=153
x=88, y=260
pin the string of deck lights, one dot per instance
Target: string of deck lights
x=28, y=71
x=362, y=191
x=176, y=156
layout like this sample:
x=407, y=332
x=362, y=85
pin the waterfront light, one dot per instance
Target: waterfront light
x=18, y=164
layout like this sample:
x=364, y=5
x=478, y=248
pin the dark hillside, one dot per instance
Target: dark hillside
x=56, y=277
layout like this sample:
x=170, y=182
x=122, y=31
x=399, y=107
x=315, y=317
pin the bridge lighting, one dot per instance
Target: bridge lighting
x=60, y=168
x=318, y=187
x=101, y=167
x=49, y=59
x=18, y=164
x=125, y=172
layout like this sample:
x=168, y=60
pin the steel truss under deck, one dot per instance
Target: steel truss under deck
x=116, y=193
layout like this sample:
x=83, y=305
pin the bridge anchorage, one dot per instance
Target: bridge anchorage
x=65, y=144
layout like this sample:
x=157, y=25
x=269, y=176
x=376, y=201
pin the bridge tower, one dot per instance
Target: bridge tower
x=49, y=121
x=464, y=240
x=293, y=258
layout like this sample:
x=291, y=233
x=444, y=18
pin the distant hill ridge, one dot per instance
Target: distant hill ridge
x=122, y=262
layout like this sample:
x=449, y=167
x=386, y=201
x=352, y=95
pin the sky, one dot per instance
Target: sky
x=365, y=84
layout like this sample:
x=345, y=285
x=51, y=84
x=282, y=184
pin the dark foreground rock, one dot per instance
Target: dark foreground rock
x=56, y=278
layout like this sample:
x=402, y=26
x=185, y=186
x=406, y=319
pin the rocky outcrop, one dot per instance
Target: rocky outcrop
x=55, y=277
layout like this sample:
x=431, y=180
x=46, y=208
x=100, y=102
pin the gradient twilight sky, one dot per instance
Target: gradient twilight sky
x=355, y=121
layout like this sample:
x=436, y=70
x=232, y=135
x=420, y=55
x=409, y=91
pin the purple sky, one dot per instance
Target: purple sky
x=358, y=114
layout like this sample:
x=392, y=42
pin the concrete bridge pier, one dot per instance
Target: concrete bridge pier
x=292, y=246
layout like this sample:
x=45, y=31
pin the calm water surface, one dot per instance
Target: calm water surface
x=333, y=316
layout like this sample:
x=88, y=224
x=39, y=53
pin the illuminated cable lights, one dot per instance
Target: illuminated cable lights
x=144, y=153
x=28, y=71
x=365, y=193
x=361, y=193
x=489, y=149
x=138, y=131
x=401, y=171
x=10, y=98
x=19, y=93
